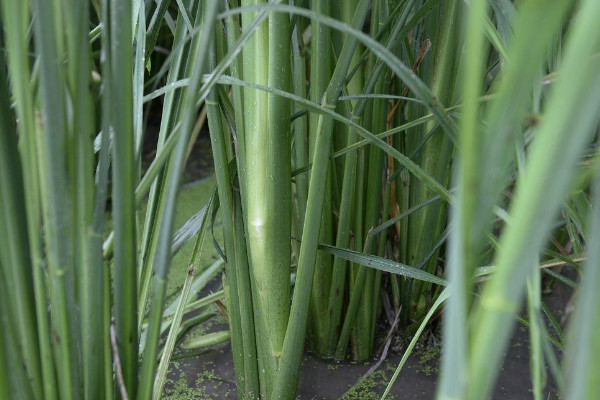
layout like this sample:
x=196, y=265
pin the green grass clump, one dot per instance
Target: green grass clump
x=375, y=162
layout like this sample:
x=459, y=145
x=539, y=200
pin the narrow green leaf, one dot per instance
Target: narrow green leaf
x=383, y=264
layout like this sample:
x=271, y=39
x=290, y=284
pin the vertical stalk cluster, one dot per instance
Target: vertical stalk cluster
x=342, y=200
x=334, y=134
x=70, y=297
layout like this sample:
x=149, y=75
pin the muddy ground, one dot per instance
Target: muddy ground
x=211, y=376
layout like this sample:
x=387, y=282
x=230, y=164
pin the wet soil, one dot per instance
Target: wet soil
x=210, y=375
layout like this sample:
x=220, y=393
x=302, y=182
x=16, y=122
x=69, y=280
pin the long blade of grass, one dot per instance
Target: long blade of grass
x=125, y=260
x=154, y=27
x=453, y=380
x=209, y=339
x=552, y=159
x=383, y=264
x=87, y=239
x=339, y=270
x=536, y=356
x=171, y=113
x=413, y=342
x=583, y=343
x=15, y=20
x=243, y=341
x=161, y=373
x=14, y=256
x=53, y=143
x=166, y=214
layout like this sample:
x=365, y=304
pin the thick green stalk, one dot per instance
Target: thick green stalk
x=16, y=21
x=53, y=151
x=101, y=195
x=232, y=26
x=125, y=259
x=88, y=241
x=107, y=359
x=339, y=272
x=242, y=273
x=267, y=187
x=363, y=329
x=320, y=75
x=320, y=63
x=240, y=323
x=537, y=366
x=289, y=366
x=247, y=311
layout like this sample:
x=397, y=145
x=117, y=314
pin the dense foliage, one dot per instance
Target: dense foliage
x=376, y=161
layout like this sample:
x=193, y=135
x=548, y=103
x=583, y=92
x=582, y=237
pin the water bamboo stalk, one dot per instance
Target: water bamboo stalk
x=267, y=186
x=54, y=149
x=287, y=375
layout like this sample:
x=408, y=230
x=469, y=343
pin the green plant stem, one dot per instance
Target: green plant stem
x=88, y=223
x=161, y=263
x=583, y=345
x=363, y=328
x=242, y=330
x=17, y=382
x=354, y=305
x=53, y=152
x=321, y=62
x=15, y=257
x=168, y=137
x=287, y=375
x=15, y=21
x=173, y=332
x=121, y=92
x=267, y=186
